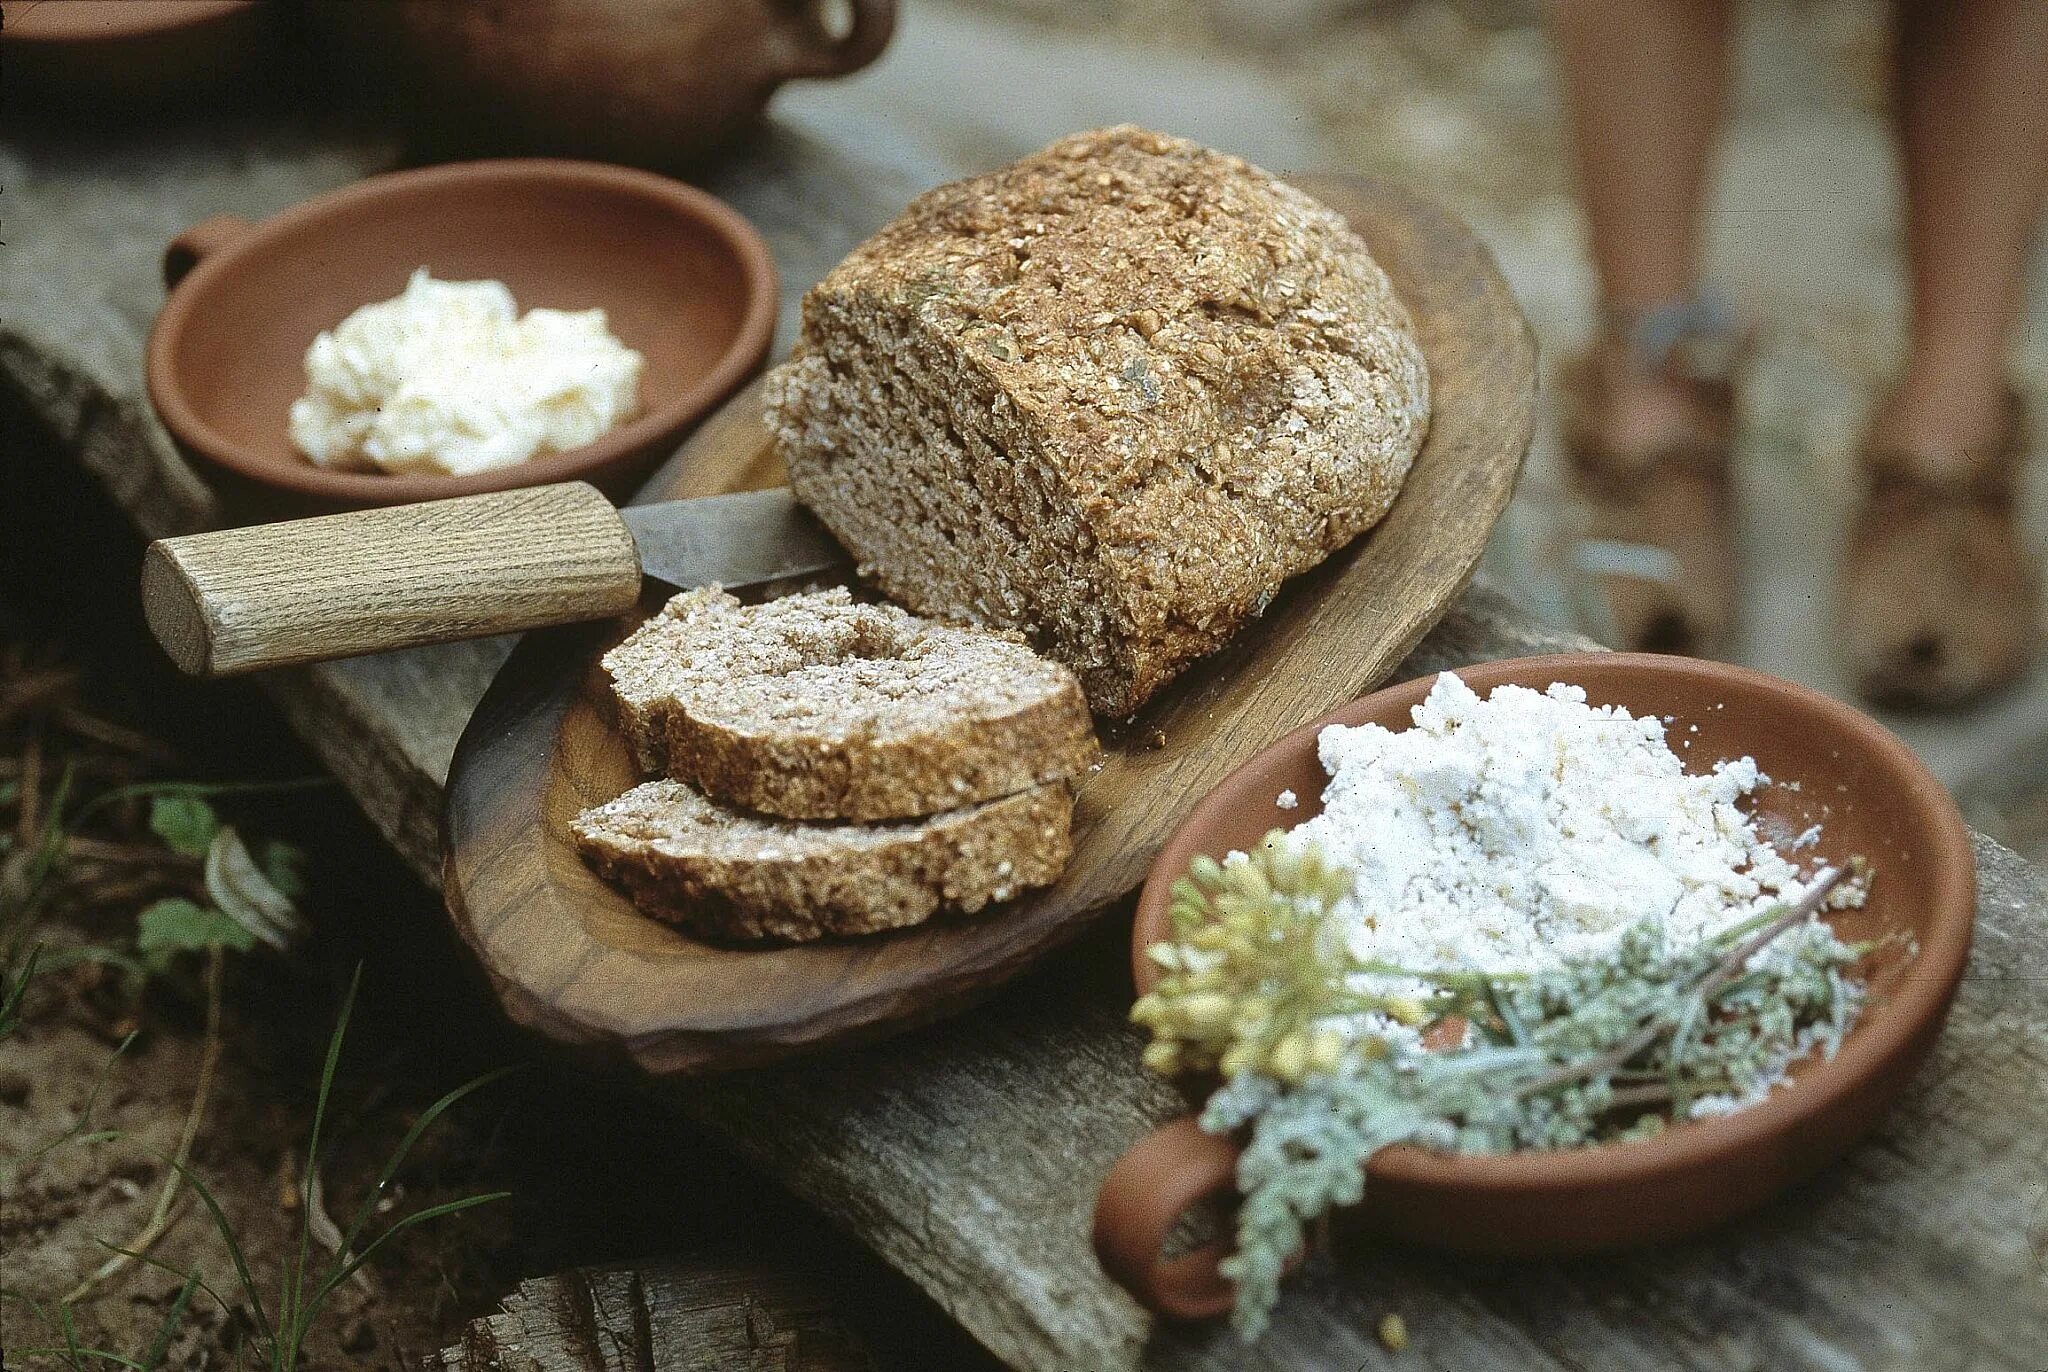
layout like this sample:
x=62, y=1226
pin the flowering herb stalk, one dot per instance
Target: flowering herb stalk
x=1259, y=985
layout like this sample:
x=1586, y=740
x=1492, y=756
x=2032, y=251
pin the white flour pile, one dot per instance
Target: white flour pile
x=1511, y=833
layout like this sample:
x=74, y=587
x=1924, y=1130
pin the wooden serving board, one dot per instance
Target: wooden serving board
x=571, y=957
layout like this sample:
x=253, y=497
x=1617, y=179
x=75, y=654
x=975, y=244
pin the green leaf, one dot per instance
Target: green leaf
x=176, y=925
x=285, y=865
x=185, y=822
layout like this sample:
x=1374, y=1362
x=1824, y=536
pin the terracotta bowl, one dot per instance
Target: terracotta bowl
x=1873, y=798
x=684, y=280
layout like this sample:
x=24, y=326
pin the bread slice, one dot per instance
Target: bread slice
x=728, y=875
x=1112, y=395
x=817, y=707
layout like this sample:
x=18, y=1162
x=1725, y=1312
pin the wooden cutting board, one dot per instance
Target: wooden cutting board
x=572, y=958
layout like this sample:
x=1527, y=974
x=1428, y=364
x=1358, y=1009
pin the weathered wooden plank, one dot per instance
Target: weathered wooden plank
x=679, y=1316
x=968, y=1156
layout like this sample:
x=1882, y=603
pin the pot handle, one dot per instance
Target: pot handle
x=1142, y=1199
x=818, y=53
x=200, y=242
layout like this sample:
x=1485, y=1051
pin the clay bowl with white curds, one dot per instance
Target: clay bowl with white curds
x=1829, y=765
x=683, y=280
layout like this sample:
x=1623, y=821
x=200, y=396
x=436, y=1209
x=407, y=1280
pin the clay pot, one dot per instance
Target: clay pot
x=1873, y=799
x=655, y=83
x=685, y=282
x=126, y=55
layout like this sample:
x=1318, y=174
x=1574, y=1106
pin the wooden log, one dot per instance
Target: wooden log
x=708, y=1316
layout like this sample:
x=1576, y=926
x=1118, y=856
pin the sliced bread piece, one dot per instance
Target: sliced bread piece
x=723, y=874
x=815, y=706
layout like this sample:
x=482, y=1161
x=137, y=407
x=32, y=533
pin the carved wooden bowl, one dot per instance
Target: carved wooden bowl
x=1872, y=797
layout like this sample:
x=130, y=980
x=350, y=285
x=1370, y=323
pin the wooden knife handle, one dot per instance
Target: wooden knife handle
x=239, y=600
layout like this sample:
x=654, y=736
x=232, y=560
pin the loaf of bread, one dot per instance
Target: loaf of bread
x=816, y=706
x=1112, y=396
x=729, y=875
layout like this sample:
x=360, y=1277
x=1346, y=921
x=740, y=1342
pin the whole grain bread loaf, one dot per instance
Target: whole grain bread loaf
x=733, y=876
x=1112, y=395
x=815, y=706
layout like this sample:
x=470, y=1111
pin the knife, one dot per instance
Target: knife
x=369, y=581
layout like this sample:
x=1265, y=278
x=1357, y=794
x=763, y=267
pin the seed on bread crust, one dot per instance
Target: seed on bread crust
x=731, y=876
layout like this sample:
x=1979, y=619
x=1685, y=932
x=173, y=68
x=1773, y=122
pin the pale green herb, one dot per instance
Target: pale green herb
x=1259, y=984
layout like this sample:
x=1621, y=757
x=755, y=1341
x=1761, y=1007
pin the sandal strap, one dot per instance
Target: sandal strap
x=1988, y=477
x=1694, y=343
x=1695, y=335
x=1607, y=474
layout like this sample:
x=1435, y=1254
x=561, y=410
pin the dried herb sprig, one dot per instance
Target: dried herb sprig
x=1247, y=984
x=1258, y=982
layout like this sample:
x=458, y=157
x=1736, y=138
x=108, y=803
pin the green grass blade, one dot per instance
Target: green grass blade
x=150, y=1260
x=345, y=1269
x=51, y=842
x=8, y=1293
x=398, y=1156
x=17, y=990
x=75, y=1134
x=161, y=1345
x=289, y=1319
x=227, y=1233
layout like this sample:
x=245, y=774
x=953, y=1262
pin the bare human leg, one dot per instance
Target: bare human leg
x=1647, y=89
x=1940, y=598
x=1972, y=104
x=1647, y=430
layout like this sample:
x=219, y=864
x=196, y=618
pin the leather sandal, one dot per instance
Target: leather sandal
x=1940, y=599
x=1660, y=522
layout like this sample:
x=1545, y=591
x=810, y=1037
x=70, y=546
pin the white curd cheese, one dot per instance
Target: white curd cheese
x=1512, y=833
x=449, y=378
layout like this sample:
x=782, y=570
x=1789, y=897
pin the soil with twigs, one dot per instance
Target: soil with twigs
x=99, y=1076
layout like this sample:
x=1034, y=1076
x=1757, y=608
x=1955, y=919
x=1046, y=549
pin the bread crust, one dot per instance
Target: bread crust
x=815, y=706
x=733, y=877
x=1112, y=395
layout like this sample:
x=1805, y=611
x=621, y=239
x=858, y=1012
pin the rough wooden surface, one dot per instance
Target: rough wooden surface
x=968, y=1153
x=570, y=955
x=676, y=1316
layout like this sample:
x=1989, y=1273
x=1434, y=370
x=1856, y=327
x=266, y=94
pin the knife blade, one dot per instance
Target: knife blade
x=730, y=540
x=401, y=576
